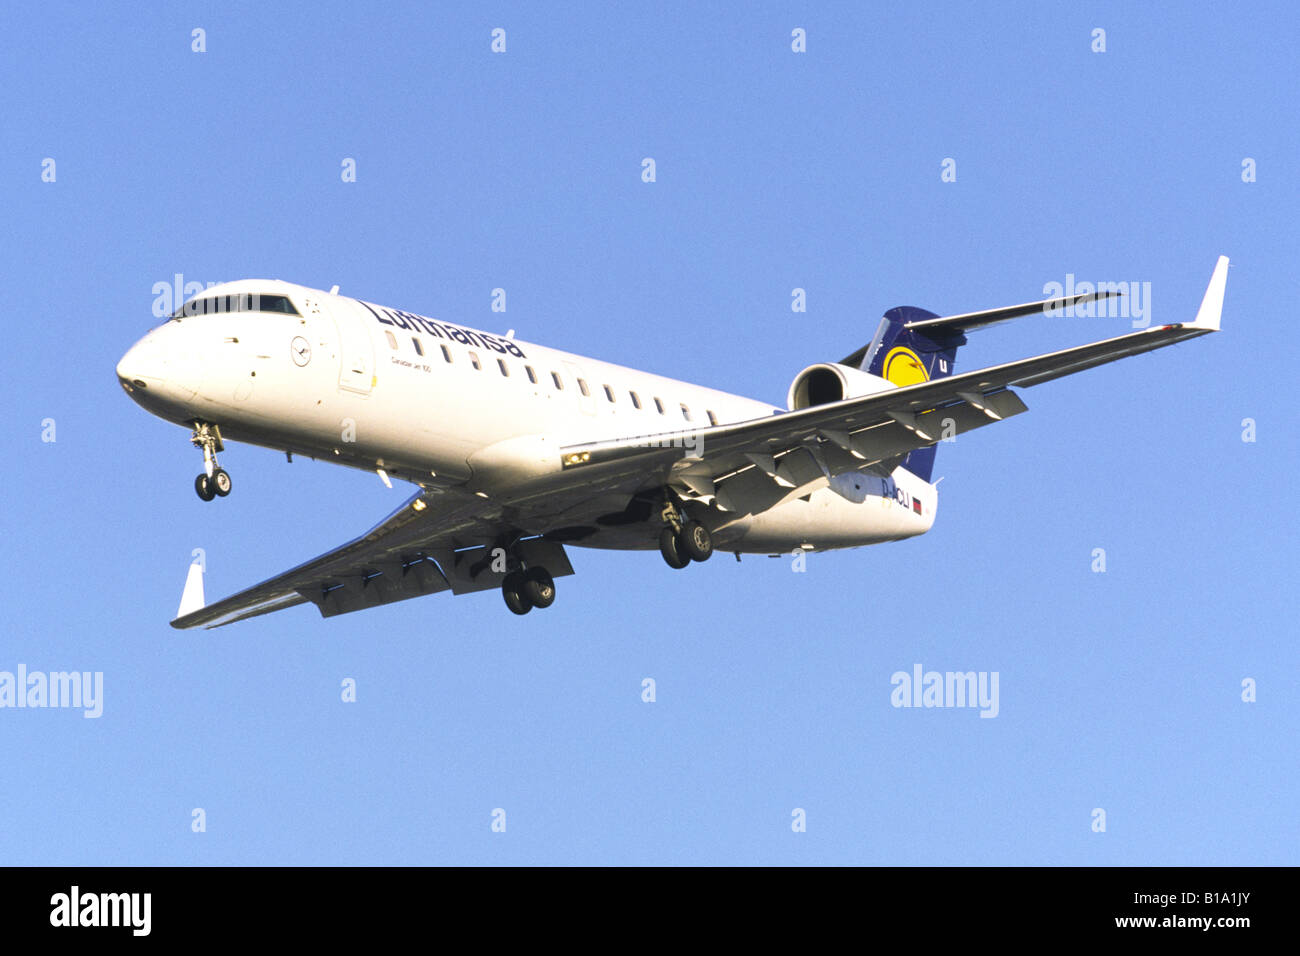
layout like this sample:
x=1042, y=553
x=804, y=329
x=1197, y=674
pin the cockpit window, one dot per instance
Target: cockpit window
x=243, y=302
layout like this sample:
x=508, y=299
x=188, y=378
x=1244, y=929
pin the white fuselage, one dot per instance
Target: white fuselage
x=441, y=404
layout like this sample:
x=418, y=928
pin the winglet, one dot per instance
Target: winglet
x=192, y=596
x=1207, y=317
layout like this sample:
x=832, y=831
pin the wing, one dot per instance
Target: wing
x=437, y=540
x=751, y=466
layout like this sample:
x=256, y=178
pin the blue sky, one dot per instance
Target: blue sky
x=775, y=170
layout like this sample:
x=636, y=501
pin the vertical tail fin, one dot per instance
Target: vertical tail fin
x=907, y=356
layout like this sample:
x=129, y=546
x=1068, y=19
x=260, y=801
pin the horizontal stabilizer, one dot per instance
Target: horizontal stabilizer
x=947, y=331
x=979, y=320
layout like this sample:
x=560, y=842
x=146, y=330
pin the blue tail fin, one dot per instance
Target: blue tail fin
x=909, y=356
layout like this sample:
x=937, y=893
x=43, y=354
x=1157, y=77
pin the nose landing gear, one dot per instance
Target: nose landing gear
x=214, y=481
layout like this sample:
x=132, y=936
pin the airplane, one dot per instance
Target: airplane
x=519, y=451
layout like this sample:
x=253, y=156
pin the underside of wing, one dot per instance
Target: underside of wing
x=437, y=541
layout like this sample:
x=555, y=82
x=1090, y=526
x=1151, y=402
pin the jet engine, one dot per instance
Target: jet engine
x=828, y=382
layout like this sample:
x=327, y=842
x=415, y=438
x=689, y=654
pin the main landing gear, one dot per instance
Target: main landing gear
x=525, y=590
x=523, y=587
x=213, y=482
x=682, y=539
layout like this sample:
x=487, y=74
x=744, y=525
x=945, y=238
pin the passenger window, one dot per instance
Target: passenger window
x=501, y=364
x=686, y=412
x=473, y=360
x=392, y=339
x=659, y=405
x=713, y=419
x=559, y=382
x=419, y=349
x=636, y=402
x=582, y=384
x=609, y=393
x=532, y=376
x=446, y=353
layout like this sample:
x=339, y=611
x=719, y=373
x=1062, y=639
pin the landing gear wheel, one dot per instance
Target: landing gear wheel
x=539, y=588
x=213, y=481
x=513, y=589
x=204, y=487
x=695, y=541
x=671, y=549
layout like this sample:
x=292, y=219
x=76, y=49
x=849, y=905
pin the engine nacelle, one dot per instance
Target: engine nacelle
x=828, y=382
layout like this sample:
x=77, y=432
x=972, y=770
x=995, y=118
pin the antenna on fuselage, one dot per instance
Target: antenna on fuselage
x=334, y=290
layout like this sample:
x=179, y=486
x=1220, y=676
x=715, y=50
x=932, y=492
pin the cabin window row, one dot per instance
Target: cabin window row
x=610, y=395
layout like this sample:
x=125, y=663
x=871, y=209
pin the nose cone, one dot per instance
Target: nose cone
x=150, y=374
x=143, y=366
x=140, y=363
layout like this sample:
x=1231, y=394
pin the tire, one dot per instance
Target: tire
x=512, y=589
x=696, y=542
x=221, y=482
x=539, y=588
x=671, y=550
x=204, y=488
